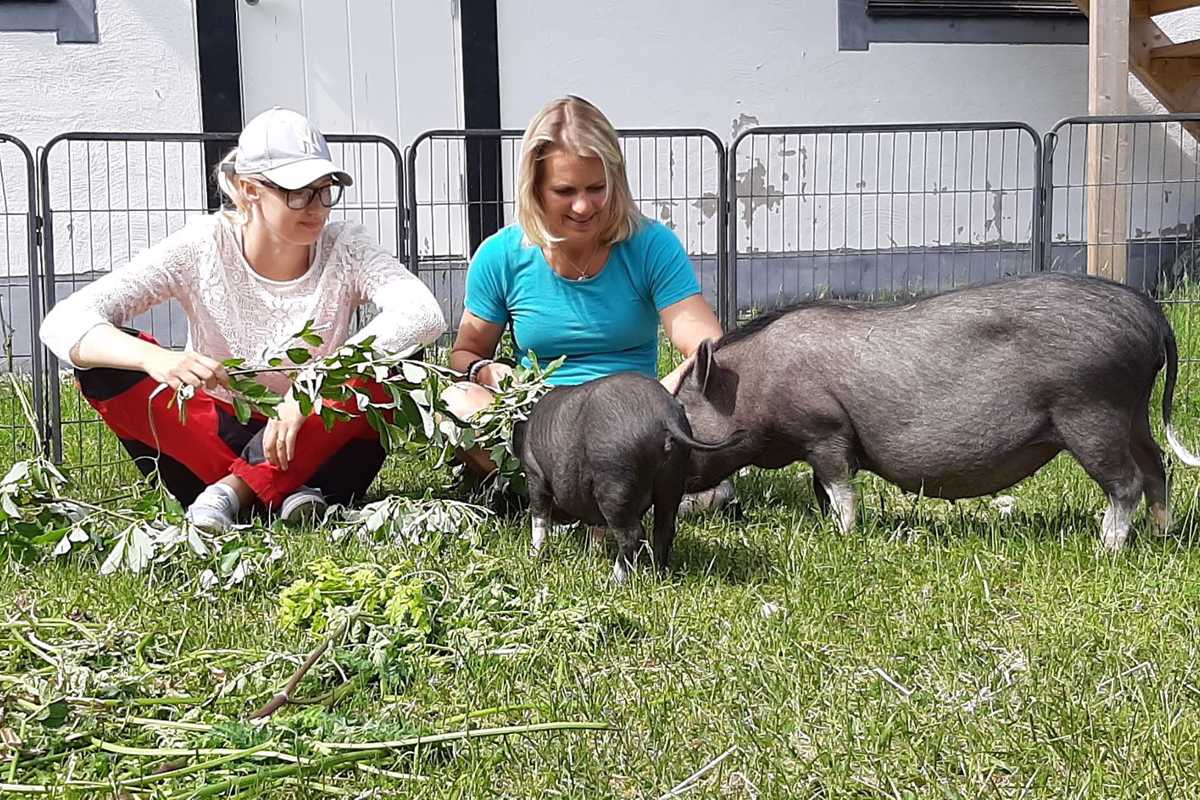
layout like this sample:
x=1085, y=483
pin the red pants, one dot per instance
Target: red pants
x=341, y=462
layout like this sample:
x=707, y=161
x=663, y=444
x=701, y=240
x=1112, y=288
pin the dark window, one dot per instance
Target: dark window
x=862, y=23
x=973, y=8
x=72, y=21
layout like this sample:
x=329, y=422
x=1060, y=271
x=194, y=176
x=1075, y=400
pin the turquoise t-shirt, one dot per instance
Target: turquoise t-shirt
x=604, y=324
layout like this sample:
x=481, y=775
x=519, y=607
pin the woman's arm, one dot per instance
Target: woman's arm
x=477, y=339
x=81, y=330
x=106, y=346
x=688, y=323
x=409, y=316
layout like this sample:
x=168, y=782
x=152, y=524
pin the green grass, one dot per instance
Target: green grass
x=941, y=650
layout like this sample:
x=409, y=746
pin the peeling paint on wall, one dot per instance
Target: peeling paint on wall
x=741, y=123
x=706, y=204
x=666, y=211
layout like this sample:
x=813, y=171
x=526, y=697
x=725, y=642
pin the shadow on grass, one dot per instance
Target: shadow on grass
x=735, y=563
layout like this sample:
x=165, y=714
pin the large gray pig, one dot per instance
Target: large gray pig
x=959, y=394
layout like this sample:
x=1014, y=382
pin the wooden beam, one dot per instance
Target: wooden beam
x=1167, y=6
x=1179, y=50
x=1144, y=36
x=1173, y=81
x=1107, y=151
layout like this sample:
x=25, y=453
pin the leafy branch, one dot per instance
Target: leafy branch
x=400, y=397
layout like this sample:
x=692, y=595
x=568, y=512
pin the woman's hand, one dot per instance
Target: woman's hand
x=279, y=437
x=491, y=375
x=184, y=369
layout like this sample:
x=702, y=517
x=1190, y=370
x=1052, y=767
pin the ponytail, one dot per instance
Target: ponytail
x=235, y=208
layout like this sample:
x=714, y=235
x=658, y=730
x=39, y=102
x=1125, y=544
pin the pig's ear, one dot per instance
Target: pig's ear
x=705, y=364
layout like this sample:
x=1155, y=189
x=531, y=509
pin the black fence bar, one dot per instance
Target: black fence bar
x=19, y=249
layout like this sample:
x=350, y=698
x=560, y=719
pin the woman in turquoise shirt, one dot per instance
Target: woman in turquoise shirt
x=582, y=274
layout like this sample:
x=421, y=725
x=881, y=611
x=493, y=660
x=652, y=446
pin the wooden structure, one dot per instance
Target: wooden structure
x=1123, y=38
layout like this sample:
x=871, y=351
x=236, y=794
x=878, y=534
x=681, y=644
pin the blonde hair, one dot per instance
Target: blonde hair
x=230, y=185
x=578, y=127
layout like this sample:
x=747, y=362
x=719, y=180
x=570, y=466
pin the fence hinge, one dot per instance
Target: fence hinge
x=37, y=229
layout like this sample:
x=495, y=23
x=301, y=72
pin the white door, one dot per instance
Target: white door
x=387, y=67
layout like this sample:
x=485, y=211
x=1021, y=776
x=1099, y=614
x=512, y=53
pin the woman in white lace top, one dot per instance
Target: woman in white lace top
x=248, y=280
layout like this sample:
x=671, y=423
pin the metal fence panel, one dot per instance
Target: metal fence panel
x=108, y=196
x=1123, y=202
x=871, y=211
x=19, y=306
x=461, y=188
x=1132, y=211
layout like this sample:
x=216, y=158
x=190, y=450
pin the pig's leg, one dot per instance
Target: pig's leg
x=832, y=470
x=629, y=541
x=841, y=497
x=1122, y=503
x=667, y=496
x=1154, y=477
x=541, y=529
x=540, y=506
x=1096, y=442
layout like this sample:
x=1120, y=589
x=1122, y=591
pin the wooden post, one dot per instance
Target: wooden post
x=1107, y=146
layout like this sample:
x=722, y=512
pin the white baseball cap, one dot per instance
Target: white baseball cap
x=285, y=148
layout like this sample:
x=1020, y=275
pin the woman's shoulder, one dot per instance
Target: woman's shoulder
x=648, y=232
x=501, y=247
x=199, y=236
x=510, y=238
x=203, y=229
x=648, y=241
x=348, y=232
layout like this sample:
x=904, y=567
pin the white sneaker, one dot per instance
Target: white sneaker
x=215, y=509
x=303, y=504
x=708, y=500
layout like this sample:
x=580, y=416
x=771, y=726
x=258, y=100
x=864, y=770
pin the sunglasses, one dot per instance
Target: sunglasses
x=300, y=199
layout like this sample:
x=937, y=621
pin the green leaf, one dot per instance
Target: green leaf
x=230, y=560
x=242, y=409
x=55, y=714
x=328, y=417
x=298, y=355
x=312, y=339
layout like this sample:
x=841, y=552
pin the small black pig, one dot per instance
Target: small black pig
x=955, y=395
x=602, y=453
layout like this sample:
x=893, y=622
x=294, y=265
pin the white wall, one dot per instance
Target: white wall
x=729, y=66
x=726, y=65
x=142, y=75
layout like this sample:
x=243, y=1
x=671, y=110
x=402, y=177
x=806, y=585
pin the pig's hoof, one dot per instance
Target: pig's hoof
x=620, y=573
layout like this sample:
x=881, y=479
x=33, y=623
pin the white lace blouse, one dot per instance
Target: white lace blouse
x=233, y=312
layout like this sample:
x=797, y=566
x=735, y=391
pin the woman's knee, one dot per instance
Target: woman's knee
x=464, y=400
